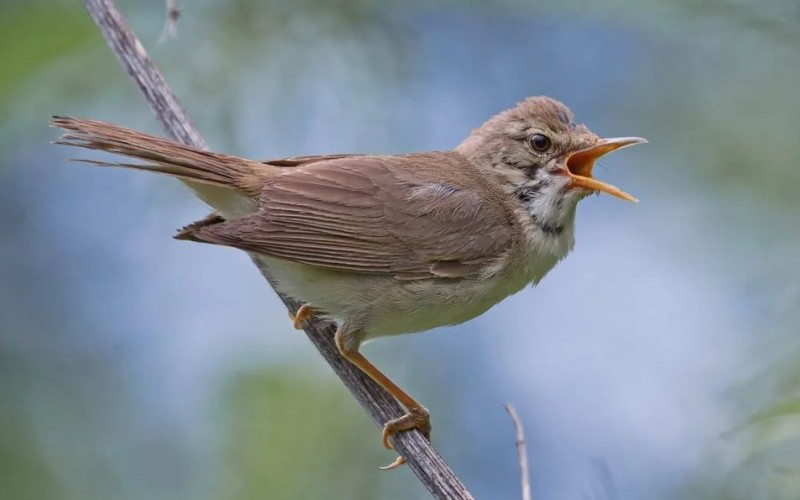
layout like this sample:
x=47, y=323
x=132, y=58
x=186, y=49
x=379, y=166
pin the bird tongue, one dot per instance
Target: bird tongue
x=580, y=164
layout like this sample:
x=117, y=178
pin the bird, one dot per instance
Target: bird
x=384, y=245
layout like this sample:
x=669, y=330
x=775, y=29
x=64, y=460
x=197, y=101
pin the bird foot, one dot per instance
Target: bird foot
x=400, y=460
x=303, y=314
x=417, y=418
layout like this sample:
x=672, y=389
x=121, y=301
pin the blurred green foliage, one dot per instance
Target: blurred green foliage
x=24, y=472
x=34, y=34
x=285, y=427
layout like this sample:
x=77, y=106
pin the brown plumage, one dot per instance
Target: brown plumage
x=164, y=156
x=363, y=214
x=346, y=212
x=385, y=245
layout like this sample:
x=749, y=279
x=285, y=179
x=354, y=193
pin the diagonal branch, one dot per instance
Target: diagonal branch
x=424, y=461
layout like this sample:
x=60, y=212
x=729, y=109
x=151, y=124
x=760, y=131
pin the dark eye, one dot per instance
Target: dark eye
x=539, y=142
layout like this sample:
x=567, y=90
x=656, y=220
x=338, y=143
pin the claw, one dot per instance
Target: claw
x=400, y=460
x=416, y=418
x=385, y=436
x=303, y=314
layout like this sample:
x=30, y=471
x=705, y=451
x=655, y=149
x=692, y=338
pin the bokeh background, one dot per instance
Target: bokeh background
x=660, y=360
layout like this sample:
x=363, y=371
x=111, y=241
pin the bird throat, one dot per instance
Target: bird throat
x=550, y=209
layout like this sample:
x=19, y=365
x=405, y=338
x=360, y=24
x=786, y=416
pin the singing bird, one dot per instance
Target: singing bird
x=384, y=245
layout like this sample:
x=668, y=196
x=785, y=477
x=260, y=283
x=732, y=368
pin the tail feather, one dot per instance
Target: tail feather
x=164, y=156
x=153, y=167
x=187, y=232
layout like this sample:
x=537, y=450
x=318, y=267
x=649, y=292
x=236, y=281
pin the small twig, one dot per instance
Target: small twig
x=521, y=452
x=423, y=460
x=171, y=22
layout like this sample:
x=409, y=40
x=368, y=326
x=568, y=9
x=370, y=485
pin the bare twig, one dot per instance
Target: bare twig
x=424, y=461
x=171, y=22
x=521, y=453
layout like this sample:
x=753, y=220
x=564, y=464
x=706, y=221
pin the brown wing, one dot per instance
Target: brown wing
x=374, y=215
x=296, y=161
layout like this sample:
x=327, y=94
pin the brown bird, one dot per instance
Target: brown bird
x=385, y=245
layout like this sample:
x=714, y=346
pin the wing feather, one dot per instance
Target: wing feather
x=388, y=215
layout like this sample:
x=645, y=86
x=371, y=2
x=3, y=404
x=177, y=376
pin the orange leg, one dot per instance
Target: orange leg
x=303, y=314
x=417, y=417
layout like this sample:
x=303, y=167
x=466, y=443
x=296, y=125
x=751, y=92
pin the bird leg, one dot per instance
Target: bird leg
x=417, y=417
x=303, y=314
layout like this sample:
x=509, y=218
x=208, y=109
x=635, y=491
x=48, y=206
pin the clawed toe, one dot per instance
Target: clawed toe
x=417, y=418
x=303, y=314
x=400, y=460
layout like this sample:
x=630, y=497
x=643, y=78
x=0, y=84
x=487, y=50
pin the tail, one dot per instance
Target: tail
x=167, y=157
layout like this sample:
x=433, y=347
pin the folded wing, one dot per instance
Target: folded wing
x=373, y=215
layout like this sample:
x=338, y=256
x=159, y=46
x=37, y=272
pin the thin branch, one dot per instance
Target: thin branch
x=423, y=460
x=521, y=453
x=171, y=22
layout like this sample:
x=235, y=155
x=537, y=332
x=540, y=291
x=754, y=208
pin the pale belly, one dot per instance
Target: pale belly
x=382, y=305
x=430, y=304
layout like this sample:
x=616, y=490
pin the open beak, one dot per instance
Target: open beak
x=580, y=164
